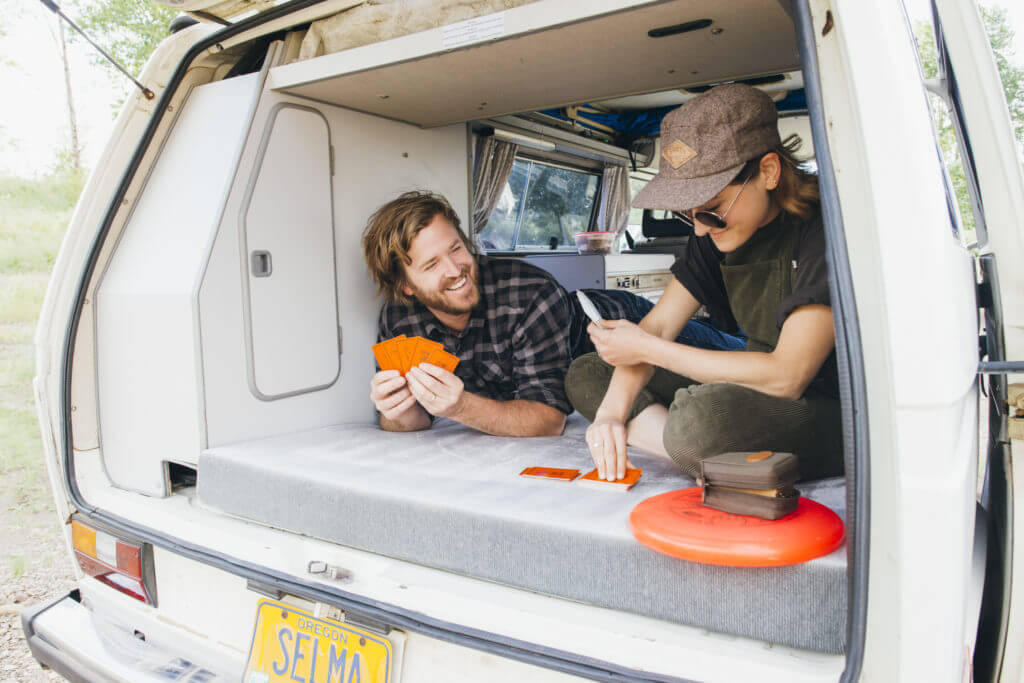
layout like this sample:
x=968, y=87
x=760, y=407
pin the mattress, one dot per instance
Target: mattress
x=451, y=498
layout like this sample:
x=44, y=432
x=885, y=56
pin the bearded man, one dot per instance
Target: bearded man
x=514, y=329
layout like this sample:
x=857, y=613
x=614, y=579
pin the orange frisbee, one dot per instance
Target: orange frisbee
x=676, y=524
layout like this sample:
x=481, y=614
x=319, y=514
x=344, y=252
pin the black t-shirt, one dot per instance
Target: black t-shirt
x=699, y=270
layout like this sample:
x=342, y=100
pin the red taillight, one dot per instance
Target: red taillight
x=122, y=564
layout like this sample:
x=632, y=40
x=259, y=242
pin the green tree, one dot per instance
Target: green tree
x=128, y=29
x=1000, y=36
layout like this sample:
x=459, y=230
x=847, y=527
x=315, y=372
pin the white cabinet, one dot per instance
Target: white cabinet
x=287, y=240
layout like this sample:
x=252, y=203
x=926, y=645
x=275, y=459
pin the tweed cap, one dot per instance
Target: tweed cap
x=704, y=144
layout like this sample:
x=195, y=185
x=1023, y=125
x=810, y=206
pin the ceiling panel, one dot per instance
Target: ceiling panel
x=547, y=60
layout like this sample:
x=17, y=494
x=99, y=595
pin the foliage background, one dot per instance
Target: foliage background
x=128, y=29
x=1000, y=35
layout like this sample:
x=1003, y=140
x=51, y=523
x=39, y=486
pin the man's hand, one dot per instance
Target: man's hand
x=606, y=439
x=390, y=394
x=439, y=392
x=620, y=343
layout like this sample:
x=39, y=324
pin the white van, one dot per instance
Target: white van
x=204, y=356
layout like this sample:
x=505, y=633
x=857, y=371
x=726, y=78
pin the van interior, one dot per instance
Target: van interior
x=237, y=300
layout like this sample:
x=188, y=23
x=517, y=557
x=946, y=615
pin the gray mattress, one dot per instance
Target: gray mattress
x=450, y=498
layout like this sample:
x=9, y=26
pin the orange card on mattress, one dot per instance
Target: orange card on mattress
x=625, y=484
x=550, y=473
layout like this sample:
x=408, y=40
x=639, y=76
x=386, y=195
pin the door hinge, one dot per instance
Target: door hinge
x=370, y=624
x=263, y=589
x=1015, y=401
x=984, y=294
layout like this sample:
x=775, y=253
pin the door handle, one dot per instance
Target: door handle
x=260, y=264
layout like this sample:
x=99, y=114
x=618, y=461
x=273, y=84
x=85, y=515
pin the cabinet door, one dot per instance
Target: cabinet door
x=288, y=252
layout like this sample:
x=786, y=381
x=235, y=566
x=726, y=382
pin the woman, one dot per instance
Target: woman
x=757, y=260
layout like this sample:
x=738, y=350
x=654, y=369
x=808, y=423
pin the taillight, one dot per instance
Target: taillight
x=124, y=565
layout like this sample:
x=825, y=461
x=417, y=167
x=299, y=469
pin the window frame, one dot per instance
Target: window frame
x=945, y=87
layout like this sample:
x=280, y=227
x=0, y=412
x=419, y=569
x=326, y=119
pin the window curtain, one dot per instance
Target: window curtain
x=493, y=167
x=613, y=213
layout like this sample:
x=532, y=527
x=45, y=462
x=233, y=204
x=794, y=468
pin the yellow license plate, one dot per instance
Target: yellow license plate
x=290, y=645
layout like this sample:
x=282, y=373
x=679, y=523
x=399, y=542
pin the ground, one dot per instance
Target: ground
x=34, y=564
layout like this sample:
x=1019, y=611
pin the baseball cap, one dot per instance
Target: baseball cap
x=705, y=143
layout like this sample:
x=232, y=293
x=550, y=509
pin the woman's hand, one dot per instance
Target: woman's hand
x=606, y=439
x=621, y=342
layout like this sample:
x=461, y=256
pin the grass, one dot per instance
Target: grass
x=33, y=216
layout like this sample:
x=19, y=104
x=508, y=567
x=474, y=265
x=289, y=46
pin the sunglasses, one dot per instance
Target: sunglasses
x=709, y=218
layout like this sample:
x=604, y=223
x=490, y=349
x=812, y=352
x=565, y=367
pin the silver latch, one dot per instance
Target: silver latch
x=339, y=574
x=260, y=263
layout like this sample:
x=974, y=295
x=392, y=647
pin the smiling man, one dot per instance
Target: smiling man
x=507, y=321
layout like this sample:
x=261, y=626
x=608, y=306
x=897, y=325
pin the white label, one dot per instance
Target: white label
x=473, y=31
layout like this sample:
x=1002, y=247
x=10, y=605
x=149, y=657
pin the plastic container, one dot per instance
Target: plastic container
x=598, y=242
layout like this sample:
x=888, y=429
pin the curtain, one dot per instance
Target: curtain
x=493, y=167
x=613, y=214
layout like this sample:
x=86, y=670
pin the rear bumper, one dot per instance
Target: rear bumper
x=83, y=646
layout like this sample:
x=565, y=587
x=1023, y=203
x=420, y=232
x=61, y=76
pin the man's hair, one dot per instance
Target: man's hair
x=389, y=234
x=797, y=191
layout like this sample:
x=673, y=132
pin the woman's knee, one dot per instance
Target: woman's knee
x=587, y=382
x=707, y=419
x=702, y=422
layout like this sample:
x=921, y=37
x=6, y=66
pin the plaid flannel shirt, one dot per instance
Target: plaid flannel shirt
x=519, y=340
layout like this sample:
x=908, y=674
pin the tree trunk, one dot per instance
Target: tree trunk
x=76, y=159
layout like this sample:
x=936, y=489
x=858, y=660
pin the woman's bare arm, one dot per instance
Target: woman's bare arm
x=806, y=339
x=672, y=311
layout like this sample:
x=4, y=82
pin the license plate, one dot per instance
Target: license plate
x=290, y=645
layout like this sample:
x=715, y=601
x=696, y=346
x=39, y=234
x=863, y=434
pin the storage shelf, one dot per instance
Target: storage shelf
x=548, y=55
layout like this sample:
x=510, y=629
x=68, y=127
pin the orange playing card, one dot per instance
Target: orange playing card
x=632, y=477
x=550, y=473
x=404, y=350
x=422, y=349
x=385, y=354
x=441, y=359
x=401, y=353
x=394, y=347
x=451, y=362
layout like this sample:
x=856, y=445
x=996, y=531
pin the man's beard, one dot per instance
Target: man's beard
x=440, y=300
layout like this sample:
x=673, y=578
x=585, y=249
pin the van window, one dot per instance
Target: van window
x=951, y=144
x=635, y=228
x=541, y=202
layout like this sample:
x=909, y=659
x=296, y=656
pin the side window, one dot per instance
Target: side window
x=541, y=202
x=951, y=146
x=635, y=226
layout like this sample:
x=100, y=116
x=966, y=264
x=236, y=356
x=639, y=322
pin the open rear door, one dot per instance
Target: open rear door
x=994, y=175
